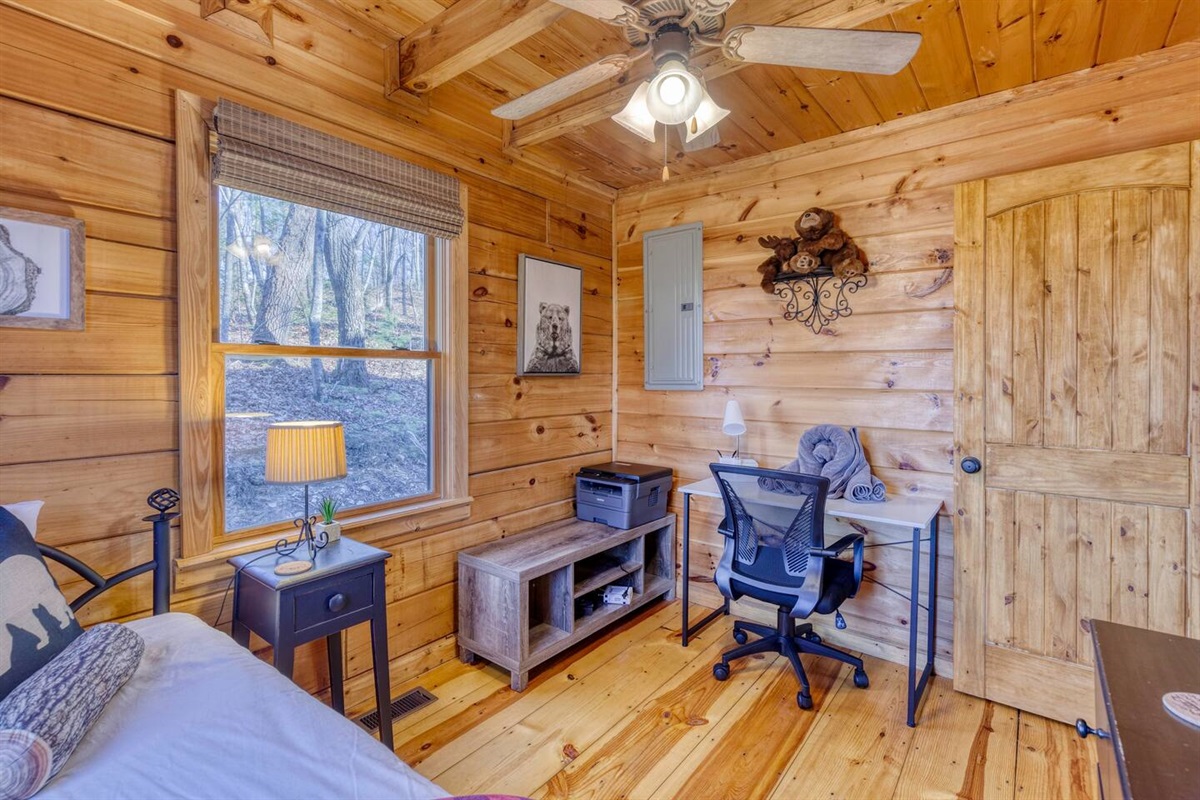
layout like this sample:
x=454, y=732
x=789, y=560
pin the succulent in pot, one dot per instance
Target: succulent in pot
x=328, y=525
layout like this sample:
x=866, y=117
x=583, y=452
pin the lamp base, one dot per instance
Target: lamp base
x=293, y=567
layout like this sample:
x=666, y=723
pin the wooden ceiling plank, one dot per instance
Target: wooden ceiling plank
x=1186, y=26
x=896, y=95
x=1000, y=38
x=941, y=60
x=842, y=97
x=1132, y=27
x=810, y=118
x=1064, y=36
x=765, y=119
x=815, y=13
x=467, y=34
x=399, y=19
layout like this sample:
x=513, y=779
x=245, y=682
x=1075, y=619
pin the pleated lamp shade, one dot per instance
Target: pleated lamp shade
x=305, y=452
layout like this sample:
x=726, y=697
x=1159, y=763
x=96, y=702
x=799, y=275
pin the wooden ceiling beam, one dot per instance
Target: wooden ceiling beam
x=464, y=36
x=814, y=13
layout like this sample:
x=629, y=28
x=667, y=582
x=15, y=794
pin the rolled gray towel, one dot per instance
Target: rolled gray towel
x=837, y=454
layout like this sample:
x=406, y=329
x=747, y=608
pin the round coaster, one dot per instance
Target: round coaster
x=1184, y=706
x=293, y=567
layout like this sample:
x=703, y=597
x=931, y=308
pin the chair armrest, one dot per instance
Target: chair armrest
x=834, y=550
x=725, y=528
x=819, y=554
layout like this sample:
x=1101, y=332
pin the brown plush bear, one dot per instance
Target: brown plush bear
x=803, y=263
x=817, y=232
x=846, y=262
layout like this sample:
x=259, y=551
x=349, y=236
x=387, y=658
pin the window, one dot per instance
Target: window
x=297, y=287
x=295, y=307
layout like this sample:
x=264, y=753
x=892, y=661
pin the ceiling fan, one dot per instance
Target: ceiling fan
x=670, y=30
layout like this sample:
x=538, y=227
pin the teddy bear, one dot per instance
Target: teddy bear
x=846, y=262
x=818, y=233
x=803, y=263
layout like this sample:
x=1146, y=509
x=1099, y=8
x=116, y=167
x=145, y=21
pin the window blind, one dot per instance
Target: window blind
x=261, y=153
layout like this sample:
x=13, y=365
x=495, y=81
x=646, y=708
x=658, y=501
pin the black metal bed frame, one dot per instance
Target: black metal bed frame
x=161, y=500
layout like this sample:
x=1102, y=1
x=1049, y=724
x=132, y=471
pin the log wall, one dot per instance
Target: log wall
x=888, y=368
x=89, y=420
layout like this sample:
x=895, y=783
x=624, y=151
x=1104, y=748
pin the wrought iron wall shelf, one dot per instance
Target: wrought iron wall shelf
x=818, y=298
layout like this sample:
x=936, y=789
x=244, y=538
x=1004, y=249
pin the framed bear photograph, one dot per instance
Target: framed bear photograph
x=549, y=317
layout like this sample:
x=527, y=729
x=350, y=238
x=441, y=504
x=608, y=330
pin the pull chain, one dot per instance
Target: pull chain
x=665, y=173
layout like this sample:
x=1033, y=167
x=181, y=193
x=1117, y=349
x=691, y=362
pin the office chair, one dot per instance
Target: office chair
x=775, y=552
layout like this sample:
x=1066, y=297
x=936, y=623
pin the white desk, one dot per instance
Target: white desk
x=915, y=514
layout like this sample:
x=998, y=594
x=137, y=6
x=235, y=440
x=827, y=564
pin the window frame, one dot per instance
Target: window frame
x=203, y=538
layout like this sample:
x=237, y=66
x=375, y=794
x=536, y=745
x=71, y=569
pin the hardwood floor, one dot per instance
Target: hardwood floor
x=634, y=715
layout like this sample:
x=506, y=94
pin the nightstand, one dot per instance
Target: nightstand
x=345, y=587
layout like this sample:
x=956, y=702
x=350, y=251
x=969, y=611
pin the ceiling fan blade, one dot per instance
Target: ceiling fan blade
x=564, y=87
x=614, y=12
x=878, y=52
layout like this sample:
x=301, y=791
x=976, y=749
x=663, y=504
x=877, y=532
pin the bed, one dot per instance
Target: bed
x=202, y=717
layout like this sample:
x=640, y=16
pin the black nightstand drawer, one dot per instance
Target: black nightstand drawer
x=334, y=597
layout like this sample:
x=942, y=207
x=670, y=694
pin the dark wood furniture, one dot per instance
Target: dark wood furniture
x=1144, y=753
x=517, y=596
x=345, y=587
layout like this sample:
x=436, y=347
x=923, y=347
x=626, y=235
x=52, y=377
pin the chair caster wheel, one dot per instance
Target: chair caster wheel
x=815, y=638
x=739, y=636
x=860, y=679
x=721, y=671
x=804, y=700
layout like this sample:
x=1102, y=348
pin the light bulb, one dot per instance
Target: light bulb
x=672, y=89
x=675, y=93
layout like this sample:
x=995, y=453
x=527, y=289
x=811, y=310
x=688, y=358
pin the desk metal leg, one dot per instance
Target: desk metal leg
x=916, y=686
x=690, y=631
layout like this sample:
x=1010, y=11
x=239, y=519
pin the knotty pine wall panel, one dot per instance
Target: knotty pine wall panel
x=888, y=368
x=89, y=421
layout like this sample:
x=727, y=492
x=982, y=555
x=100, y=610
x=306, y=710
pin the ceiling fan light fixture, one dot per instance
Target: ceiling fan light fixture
x=708, y=114
x=635, y=117
x=674, y=93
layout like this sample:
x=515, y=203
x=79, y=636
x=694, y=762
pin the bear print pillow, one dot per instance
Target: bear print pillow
x=36, y=624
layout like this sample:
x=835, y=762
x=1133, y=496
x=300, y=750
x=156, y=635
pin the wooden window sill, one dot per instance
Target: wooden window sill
x=370, y=528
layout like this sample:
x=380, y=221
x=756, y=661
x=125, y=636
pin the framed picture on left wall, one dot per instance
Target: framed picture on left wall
x=41, y=270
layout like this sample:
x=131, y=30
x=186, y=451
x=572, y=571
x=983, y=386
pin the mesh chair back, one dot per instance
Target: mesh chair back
x=772, y=531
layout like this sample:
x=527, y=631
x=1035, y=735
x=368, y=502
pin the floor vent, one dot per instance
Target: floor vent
x=404, y=704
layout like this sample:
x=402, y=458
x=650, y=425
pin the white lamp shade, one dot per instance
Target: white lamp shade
x=305, y=452
x=735, y=424
x=674, y=94
x=635, y=117
x=707, y=114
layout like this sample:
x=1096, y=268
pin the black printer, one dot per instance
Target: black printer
x=621, y=494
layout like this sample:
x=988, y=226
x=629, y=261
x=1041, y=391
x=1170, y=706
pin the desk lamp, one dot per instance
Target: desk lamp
x=734, y=425
x=305, y=452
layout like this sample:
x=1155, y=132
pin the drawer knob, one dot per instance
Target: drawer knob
x=336, y=602
x=1083, y=729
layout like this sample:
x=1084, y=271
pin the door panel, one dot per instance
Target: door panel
x=1073, y=352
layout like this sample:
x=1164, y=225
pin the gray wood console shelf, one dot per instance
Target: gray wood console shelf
x=517, y=597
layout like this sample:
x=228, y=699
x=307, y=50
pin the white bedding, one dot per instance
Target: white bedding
x=202, y=718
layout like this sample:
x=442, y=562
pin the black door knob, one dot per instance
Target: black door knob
x=971, y=465
x=1083, y=729
x=336, y=602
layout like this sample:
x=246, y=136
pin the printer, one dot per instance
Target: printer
x=622, y=495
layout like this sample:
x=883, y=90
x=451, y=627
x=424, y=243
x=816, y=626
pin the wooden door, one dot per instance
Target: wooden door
x=1077, y=368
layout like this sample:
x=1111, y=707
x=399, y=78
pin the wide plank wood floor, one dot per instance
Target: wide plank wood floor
x=632, y=714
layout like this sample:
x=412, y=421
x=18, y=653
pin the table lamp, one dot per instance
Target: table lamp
x=304, y=452
x=734, y=425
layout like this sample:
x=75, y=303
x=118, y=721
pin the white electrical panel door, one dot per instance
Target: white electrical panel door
x=674, y=293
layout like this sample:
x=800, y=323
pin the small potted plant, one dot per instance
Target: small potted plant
x=328, y=526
